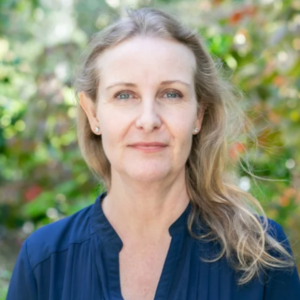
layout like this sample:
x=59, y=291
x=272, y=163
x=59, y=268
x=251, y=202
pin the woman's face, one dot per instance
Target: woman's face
x=147, y=108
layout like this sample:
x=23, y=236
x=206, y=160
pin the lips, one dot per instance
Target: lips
x=153, y=144
x=149, y=147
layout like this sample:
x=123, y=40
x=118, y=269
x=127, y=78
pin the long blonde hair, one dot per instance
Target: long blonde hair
x=234, y=218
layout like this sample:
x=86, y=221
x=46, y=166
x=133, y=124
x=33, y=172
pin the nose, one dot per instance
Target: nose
x=148, y=118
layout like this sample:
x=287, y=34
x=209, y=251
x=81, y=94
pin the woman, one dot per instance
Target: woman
x=154, y=119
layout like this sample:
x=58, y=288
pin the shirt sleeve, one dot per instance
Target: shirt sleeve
x=282, y=283
x=22, y=284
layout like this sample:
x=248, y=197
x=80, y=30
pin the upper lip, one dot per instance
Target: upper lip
x=153, y=144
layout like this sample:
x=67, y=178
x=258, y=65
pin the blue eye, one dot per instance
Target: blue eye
x=123, y=96
x=173, y=95
x=126, y=96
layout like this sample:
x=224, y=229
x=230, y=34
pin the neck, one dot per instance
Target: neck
x=145, y=210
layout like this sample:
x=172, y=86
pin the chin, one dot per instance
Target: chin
x=148, y=175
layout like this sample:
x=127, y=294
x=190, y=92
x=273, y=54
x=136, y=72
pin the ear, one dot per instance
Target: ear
x=200, y=116
x=90, y=109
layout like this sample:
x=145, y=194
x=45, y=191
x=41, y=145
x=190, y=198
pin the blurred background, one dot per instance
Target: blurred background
x=42, y=174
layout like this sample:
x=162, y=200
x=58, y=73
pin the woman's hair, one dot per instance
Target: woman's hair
x=231, y=214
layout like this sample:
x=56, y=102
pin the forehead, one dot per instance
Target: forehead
x=147, y=59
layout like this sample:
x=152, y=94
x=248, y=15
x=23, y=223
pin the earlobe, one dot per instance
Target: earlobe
x=89, y=108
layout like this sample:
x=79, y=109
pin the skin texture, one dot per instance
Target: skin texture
x=156, y=102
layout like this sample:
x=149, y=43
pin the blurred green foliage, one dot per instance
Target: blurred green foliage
x=42, y=174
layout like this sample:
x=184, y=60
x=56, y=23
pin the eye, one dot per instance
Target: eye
x=123, y=95
x=172, y=95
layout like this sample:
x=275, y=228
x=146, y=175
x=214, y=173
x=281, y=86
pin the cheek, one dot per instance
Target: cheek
x=182, y=135
x=113, y=129
x=183, y=125
x=182, y=131
x=108, y=132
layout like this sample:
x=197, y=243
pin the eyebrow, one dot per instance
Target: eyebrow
x=166, y=82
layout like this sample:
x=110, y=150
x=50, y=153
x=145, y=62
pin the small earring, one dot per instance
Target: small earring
x=97, y=129
x=196, y=130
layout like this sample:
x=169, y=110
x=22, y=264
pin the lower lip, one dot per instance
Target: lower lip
x=149, y=149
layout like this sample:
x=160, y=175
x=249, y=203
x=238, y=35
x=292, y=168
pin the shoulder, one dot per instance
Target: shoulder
x=281, y=283
x=58, y=236
x=276, y=231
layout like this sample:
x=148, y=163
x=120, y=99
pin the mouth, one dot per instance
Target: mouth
x=149, y=147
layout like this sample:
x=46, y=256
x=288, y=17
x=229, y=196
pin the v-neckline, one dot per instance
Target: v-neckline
x=111, y=245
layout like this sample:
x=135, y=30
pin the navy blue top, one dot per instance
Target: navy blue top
x=77, y=258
